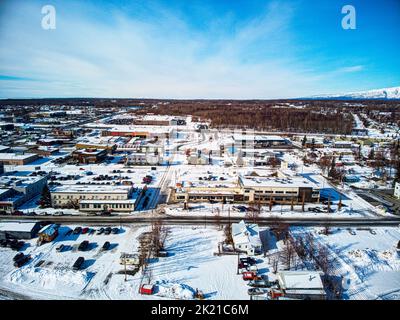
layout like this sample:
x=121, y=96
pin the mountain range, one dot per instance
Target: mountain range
x=385, y=94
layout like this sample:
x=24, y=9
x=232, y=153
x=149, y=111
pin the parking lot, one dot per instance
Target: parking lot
x=53, y=268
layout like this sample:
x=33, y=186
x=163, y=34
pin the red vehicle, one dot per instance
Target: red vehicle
x=85, y=230
x=147, y=179
x=249, y=275
x=147, y=289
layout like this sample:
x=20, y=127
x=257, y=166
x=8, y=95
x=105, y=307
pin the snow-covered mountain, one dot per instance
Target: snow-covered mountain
x=385, y=93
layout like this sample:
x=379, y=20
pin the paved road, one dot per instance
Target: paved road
x=193, y=220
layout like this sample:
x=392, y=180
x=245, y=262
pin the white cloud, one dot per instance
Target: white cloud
x=351, y=69
x=163, y=58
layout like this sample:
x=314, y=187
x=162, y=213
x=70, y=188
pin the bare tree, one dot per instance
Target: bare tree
x=275, y=262
x=288, y=254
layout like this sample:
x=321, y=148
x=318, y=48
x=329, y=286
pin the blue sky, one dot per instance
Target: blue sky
x=239, y=49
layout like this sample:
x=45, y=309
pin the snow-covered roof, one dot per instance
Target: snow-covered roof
x=50, y=229
x=246, y=233
x=266, y=182
x=301, y=282
x=91, y=189
x=17, y=226
x=13, y=156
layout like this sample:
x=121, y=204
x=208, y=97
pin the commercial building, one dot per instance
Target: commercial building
x=19, y=230
x=94, y=198
x=249, y=189
x=279, y=189
x=252, y=141
x=17, y=159
x=15, y=190
x=89, y=156
x=145, y=132
x=143, y=158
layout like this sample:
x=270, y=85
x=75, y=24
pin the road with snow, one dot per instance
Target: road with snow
x=195, y=220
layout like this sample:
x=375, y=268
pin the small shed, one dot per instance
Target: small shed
x=147, y=289
x=302, y=285
x=48, y=233
x=129, y=259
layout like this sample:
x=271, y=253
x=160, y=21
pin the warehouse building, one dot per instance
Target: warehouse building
x=19, y=230
x=17, y=159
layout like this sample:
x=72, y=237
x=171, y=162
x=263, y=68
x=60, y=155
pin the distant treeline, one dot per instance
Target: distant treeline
x=325, y=116
x=295, y=116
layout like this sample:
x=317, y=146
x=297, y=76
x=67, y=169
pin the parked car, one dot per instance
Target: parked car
x=21, y=261
x=4, y=243
x=259, y=283
x=85, y=230
x=68, y=233
x=147, y=179
x=115, y=230
x=60, y=248
x=77, y=230
x=100, y=231
x=249, y=275
x=105, y=213
x=83, y=246
x=107, y=230
x=256, y=291
x=92, y=231
x=78, y=263
x=18, y=256
x=106, y=245
x=17, y=245
x=248, y=260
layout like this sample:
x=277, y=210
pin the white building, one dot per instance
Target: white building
x=95, y=198
x=397, y=190
x=143, y=158
x=302, y=284
x=246, y=237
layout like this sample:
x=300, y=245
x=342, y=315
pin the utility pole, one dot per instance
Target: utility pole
x=238, y=261
x=125, y=268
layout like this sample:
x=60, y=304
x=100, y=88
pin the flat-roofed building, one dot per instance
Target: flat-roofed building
x=248, y=189
x=278, y=189
x=17, y=159
x=15, y=190
x=19, y=230
x=87, y=156
x=94, y=198
x=254, y=141
x=302, y=285
x=143, y=158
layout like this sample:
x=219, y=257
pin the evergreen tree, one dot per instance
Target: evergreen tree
x=371, y=155
x=45, y=200
x=304, y=141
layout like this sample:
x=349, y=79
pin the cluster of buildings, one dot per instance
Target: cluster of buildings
x=16, y=188
x=281, y=189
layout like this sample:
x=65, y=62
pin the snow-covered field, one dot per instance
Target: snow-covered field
x=190, y=265
x=367, y=260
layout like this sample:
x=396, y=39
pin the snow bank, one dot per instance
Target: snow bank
x=59, y=279
x=174, y=291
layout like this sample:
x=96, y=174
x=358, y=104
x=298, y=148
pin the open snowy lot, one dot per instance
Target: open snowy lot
x=190, y=265
x=366, y=258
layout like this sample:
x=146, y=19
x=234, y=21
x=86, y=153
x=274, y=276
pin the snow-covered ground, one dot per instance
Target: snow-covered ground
x=190, y=265
x=367, y=260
